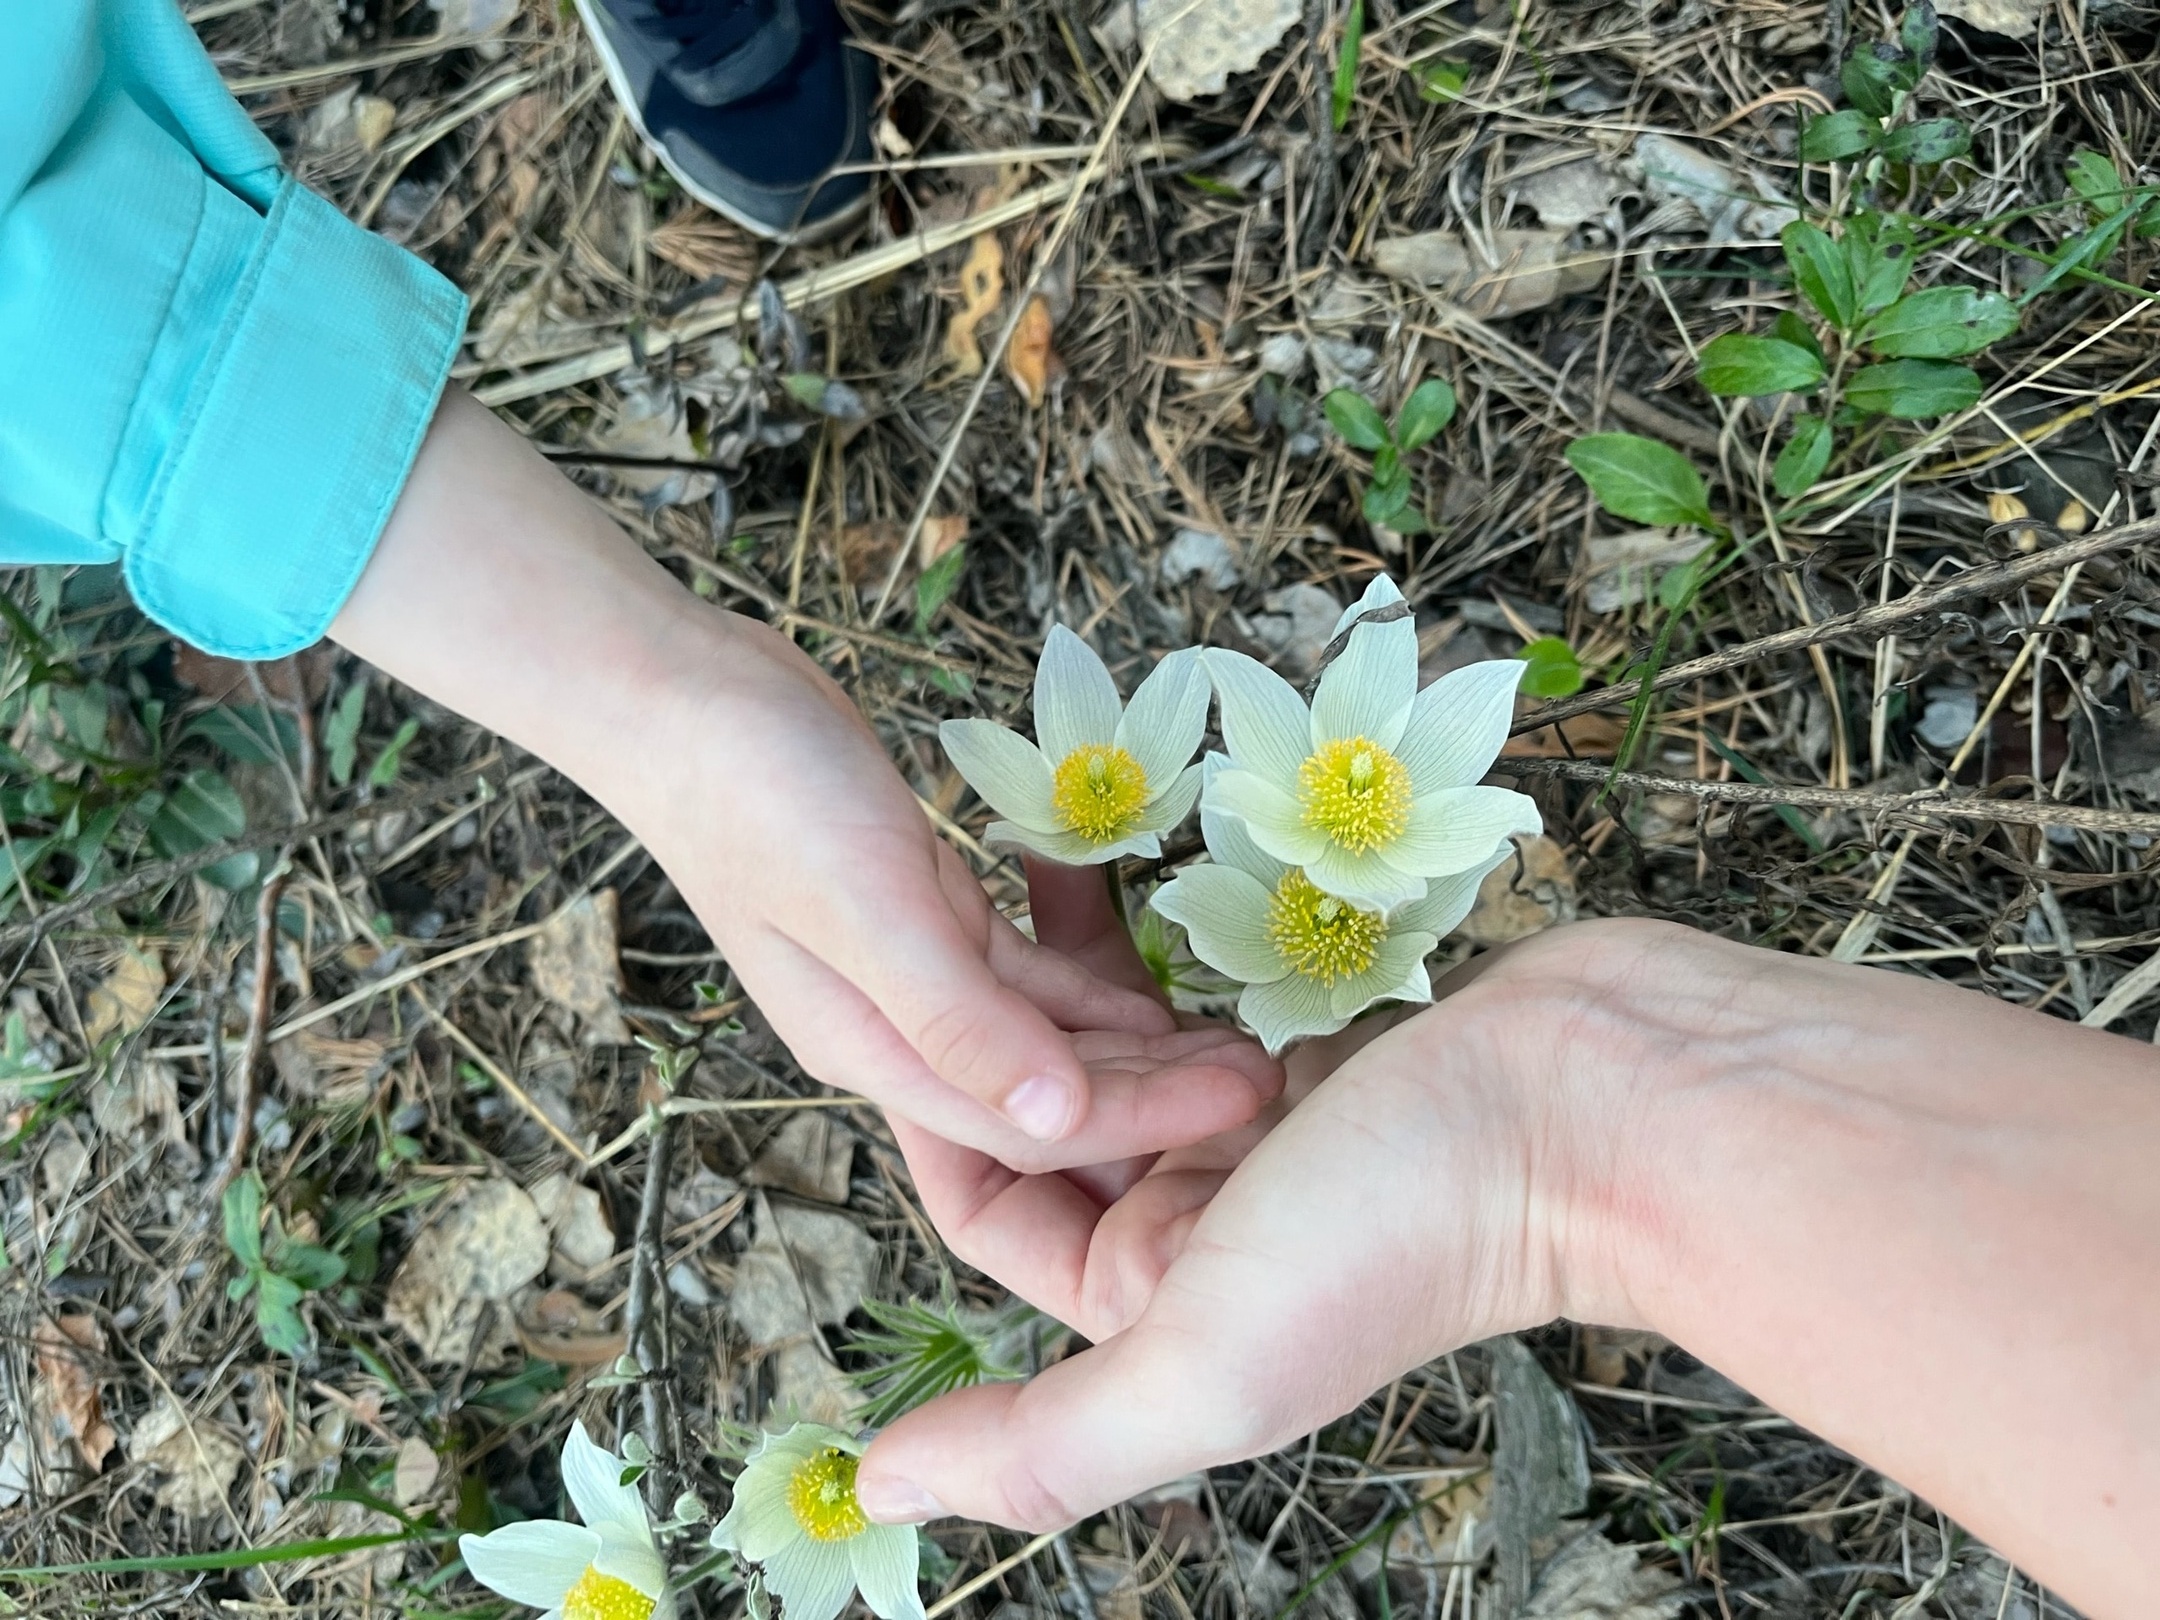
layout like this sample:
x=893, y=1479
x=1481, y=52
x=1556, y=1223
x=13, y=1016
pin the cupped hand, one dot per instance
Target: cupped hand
x=1421, y=1197
x=882, y=964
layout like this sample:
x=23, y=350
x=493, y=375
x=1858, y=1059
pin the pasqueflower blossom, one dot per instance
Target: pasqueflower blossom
x=796, y=1517
x=1103, y=779
x=604, y=1569
x=1310, y=962
x=1372, y=792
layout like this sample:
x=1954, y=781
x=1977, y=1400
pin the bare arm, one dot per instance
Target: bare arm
x=1879, y=1203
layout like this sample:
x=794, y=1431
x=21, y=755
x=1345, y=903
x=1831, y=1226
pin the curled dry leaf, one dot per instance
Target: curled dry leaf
x=1030, y=361
x=1525, y=270
x=67, y=1387
x=810, y=1156
x=982, y=285
x=1198, y=44
x=2015, y=19
x=197, y=1457
x=485, y=1243
x=128, y=997
x=575, y=964
x=1514, y=904
x=806, y=1267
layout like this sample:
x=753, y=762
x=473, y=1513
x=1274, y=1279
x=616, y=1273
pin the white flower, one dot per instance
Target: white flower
x=604, y=1569
x=1107, y=779
x=796, y=1517
x=1309, y=962
x=1373, y=791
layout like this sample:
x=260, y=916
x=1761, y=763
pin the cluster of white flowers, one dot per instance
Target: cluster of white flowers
x=794, y=1516
x=1346, y=838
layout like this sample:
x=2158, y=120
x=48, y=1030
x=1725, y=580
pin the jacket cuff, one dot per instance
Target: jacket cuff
x=297, y=435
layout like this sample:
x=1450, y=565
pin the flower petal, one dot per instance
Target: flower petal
x=1457, y=828
x=1270, y=815
x=1264, y=722
x=1291, y=1007
x=1007, y=772
x=759, y=1521
x=631, y=1558
x=1167, y=717
x=1174, y=803
x=1069, y=849
x=1369, y=689
x=1397, y=974
x=1448, y=899
x=1225, y=916
x=812, y=1579
x=536, y=1562
x=1227, y=837
x=1380, y=591
x=1371, y=880
x=1076, y=701
x=593, y=1478
x=1458, y=724
x=886, y=1558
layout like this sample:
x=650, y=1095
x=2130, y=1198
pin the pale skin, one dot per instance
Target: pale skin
x=1924, y=1223
x=501, y=591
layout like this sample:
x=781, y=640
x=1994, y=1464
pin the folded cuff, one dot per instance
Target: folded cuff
x=297, y=435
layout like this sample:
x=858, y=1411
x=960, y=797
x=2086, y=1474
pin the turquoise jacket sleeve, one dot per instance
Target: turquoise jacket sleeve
x=207, y=373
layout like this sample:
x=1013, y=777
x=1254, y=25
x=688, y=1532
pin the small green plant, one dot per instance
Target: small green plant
x=920, y=1352
x=1554, y=672
x=1344, y=93
x=1879, y=81
x=1430, y=407
x=277, y=1268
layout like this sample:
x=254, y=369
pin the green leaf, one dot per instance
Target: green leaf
x=806, y=388
x=1430, y=407
x=341, y=737
x=203, y=810
x=385, y=769
x=1846, y=133
x=1823, y=272
x=1880, y=250
x=308, y=1264
x=934, y=589
x=1640, y=479
x=1790, y=328
x=1387, y=467
x=1919, y=32
x=1932, y=140
x=1748, y=366
x=1554, y=670
x=1346, y=64
x=242, y=1209
x=1872, y=84
x=1352, y=415
x=1913, y=388
x=2096, y=180
x=1442, y=81
x=1939, y=323
x=276, y=1316
x=1384, y=503
x=249, y=734
x=1802, y=460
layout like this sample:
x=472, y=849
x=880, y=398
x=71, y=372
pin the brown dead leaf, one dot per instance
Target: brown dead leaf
x=575, y=965
x=485, y=1243
x=559, y=1326
x=65, y=1345
x=982, y=285
x=866, y=549
x=1520, y=897
x=809, y=1156
x=1524, y=270
x=1592, y=736
x=198, y=1458
x=1031, y=362
x=225, y=680
x=939, y=535
x=416, y=1472
x=128, y=997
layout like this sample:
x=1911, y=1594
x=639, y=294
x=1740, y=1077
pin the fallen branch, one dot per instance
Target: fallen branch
x=1897, y=806
x=258, y=1025
x=1867, y=621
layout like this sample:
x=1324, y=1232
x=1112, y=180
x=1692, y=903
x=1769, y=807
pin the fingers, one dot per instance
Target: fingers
x=1071, y=909
x=1148, y=1093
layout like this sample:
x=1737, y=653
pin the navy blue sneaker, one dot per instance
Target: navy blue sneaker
x=750, y=103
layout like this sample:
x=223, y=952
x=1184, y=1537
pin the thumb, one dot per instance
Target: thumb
x=1093, y=1430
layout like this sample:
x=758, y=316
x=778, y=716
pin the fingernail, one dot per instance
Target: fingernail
x=896, y=1501
x=1042, y=1106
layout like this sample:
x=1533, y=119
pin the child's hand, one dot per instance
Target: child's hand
x=500, y=590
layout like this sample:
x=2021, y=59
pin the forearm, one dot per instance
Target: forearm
x=1924, y=1223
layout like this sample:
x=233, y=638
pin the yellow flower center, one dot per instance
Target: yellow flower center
x=604, y=1597
x=1356, y=792
x=821, y=1494
x=1320, y=936
x=1099, y=791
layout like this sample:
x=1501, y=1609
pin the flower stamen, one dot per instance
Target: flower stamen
x=1356, y=792
x=1320, y=936
x=604, y=1597
x=821, y=1494
x=1098, y=791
